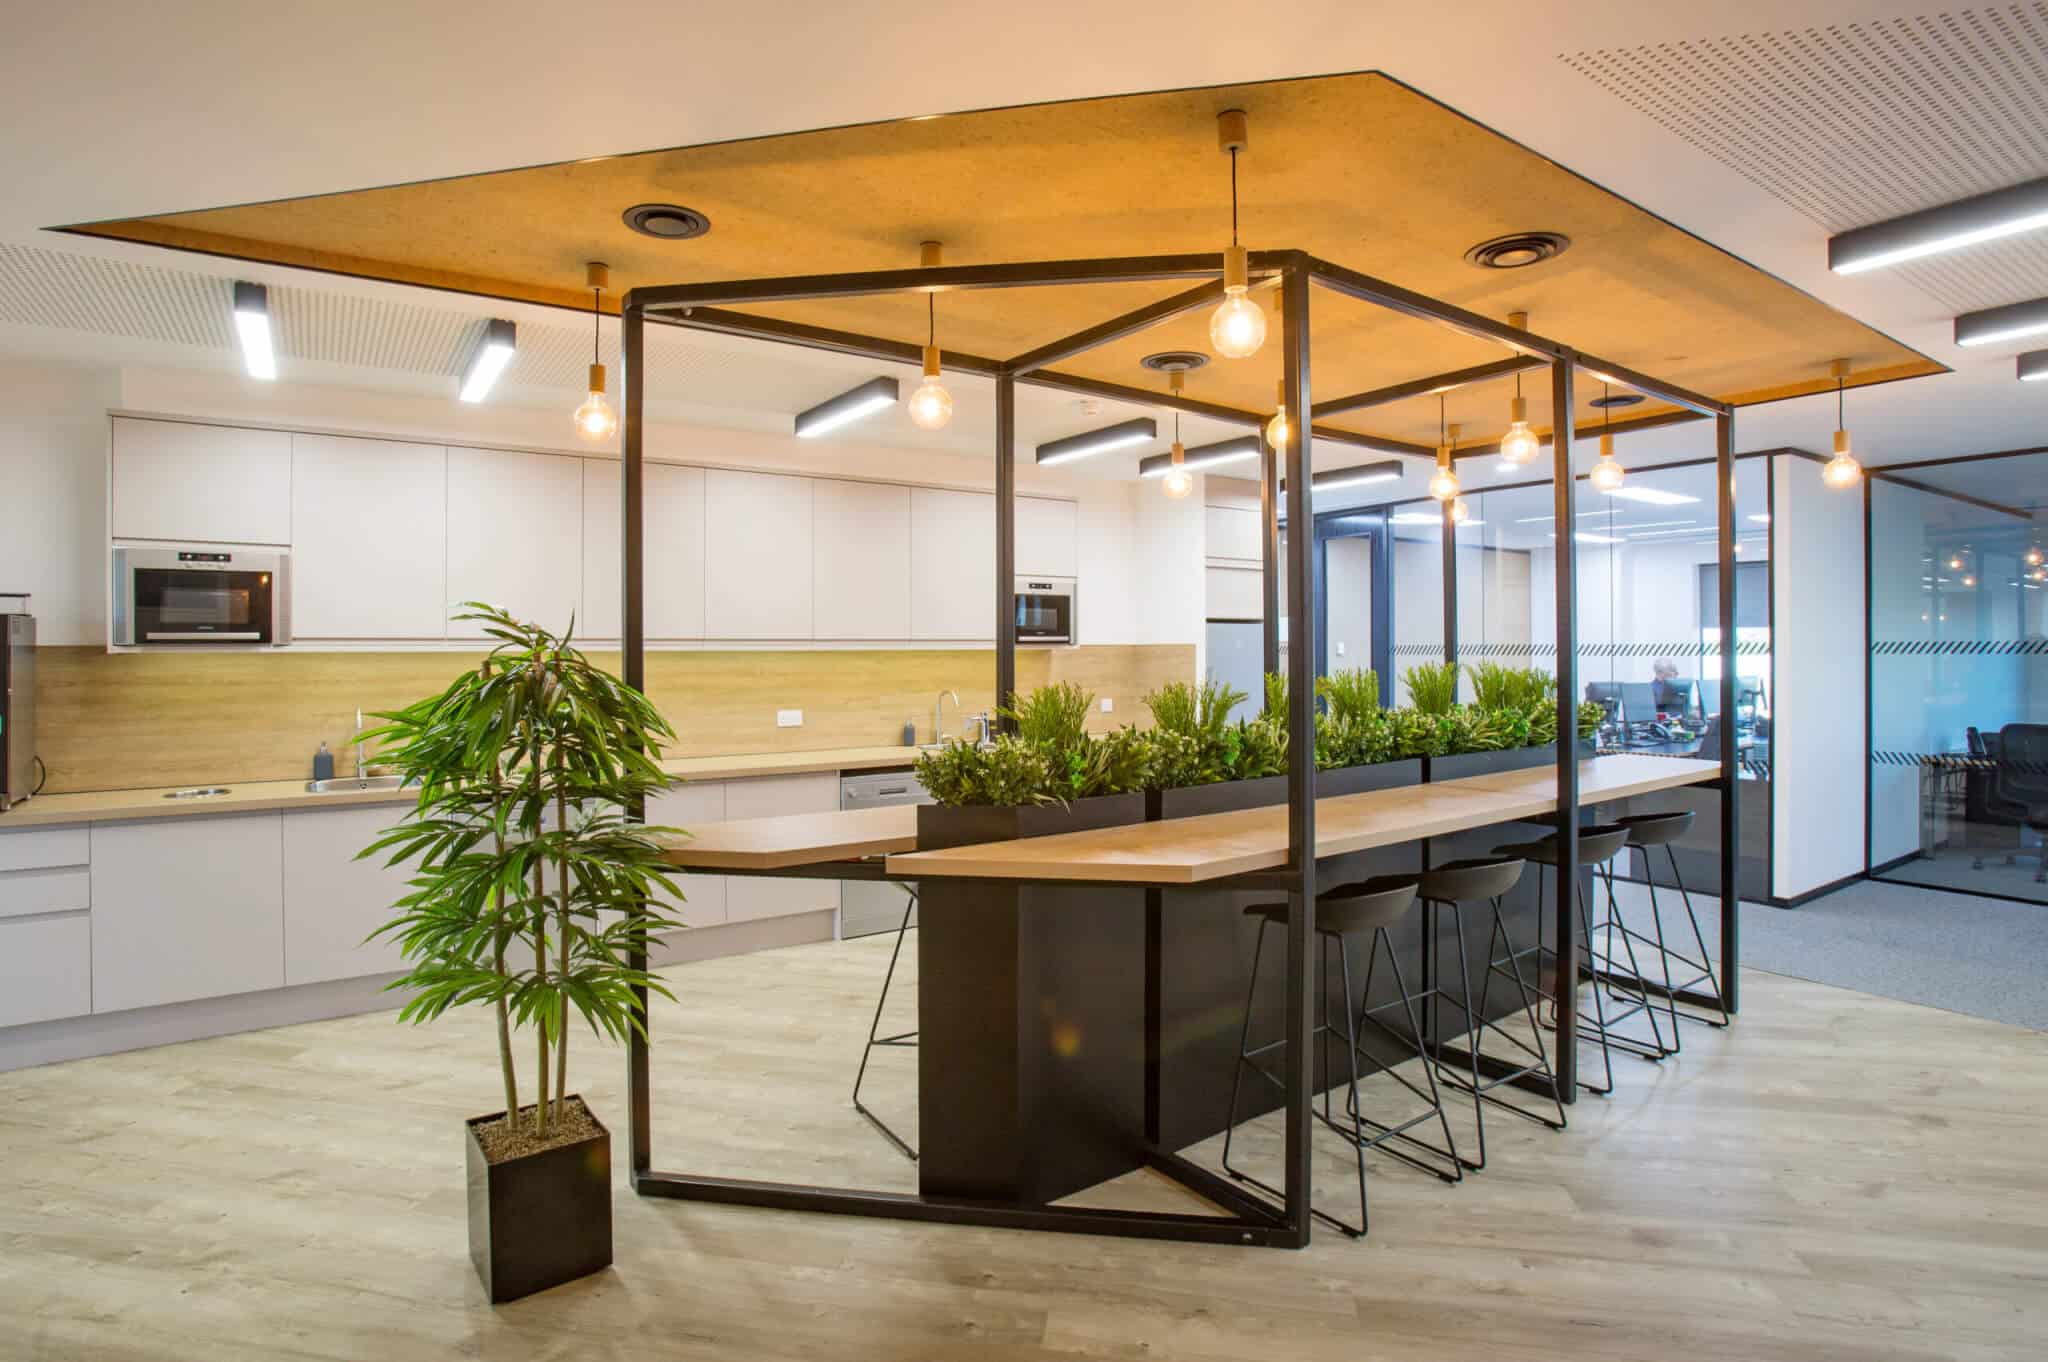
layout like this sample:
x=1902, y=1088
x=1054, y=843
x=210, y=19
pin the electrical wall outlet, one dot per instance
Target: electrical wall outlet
x=789, y=718
x=1340, y=650
x=1108, y=705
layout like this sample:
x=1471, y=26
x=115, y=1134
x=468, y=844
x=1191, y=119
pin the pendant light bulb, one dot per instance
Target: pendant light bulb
x=1276, y=429
x=1179, y=482
x=1842, y=470
x=596, y=418
x=2035, y=557
x=1518, y=445
x=1460, y=512
x=1237, y=328
x=1607, y=474
x=1443, y=484
x=931, y=406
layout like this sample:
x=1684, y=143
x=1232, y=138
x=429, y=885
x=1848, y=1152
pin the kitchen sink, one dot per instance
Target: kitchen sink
x=354, y=784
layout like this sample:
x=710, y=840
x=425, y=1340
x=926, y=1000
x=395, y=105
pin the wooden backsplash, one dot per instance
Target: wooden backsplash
x=109, y=722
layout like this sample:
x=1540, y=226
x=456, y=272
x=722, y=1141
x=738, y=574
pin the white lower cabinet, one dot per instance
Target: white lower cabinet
x=688, y=806
x=186, y=908
x=754, y=896
x=332, y=902
x=45, y=968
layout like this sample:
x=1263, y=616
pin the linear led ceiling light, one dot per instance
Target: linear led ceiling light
x=1364, y=475
x=845, y=409
x=2003, y=323
x=2034, y=366
x=252, y=326
x=1200, y=457
x=1950, y=227
x=1427, y=518
x=1652, y=496
x=1124, y=434
x=487, y=359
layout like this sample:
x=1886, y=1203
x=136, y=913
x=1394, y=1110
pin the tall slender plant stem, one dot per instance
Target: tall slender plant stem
x=540, y=1031
x=501, y=939
x=562, y=947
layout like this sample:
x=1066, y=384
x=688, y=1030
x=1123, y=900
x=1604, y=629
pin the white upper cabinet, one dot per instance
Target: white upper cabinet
x=757, y=555
x=515, y=535
x=1233, y=533
x=860, y=573
x=672, y=512
x=952, y=564
x=369, y=538
x=214, y=484
x=1046, y=537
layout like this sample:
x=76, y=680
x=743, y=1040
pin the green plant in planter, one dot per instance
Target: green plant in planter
x=1416, y=733
x=530, y=888
x=1008, y=771
x=1432, y=686
x=1473, y=729
x=1353, y=694
x=1276, y=697
x=1591, y=715
x=1192, y=740
x=1259, y=747
x=1499, y=688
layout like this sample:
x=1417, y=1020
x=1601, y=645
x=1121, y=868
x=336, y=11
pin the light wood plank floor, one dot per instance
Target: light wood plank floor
x=1841, y=1176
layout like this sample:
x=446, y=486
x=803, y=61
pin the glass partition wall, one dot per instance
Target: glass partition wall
x=1959, y=676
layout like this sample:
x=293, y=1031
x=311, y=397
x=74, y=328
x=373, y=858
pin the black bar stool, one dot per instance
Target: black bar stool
x=1485, y=880
x=1371, y=906
x=1647, y=831
x=906, y=1040
x=1599, y=845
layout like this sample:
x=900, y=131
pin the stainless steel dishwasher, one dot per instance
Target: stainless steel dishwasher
x=870, y=906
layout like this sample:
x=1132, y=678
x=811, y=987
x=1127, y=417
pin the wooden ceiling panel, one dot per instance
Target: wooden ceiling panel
x=1358, y=169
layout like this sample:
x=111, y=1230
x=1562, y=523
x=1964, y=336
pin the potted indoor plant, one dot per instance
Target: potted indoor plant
x=531, y=895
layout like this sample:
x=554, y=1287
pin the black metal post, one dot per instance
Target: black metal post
x=1731, y=772
x=1006, y=538
x=1301, y=733
x=1269, y=550
x=633, y=665
x=1450, y=565
x=1565, y=997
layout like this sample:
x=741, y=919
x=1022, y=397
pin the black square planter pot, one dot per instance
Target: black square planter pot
x=940, y=825
x=1226, y=796
x=541, y=1219
x=1489, y=763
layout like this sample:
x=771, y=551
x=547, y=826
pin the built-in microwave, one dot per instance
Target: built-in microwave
x=1045, y=609
x=171, y=597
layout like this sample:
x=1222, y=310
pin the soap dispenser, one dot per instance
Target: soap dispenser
x=323, y=763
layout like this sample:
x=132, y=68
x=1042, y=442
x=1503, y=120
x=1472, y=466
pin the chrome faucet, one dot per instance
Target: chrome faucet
x=938, y=711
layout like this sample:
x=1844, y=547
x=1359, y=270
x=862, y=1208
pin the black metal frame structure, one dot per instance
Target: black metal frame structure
x=1246, y=1220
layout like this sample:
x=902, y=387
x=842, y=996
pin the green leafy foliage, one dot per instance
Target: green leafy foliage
x=531, y=889
x=1352, y=695
x=1591, y=715
x=1261, y=748
x=1053, y=717
x=1432, y=686
x=1008, y=771
x=1276, y=697
x=1495, y=687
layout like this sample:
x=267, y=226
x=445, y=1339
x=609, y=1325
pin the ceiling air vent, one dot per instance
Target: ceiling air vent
x=1517, y=250
x=666, y=221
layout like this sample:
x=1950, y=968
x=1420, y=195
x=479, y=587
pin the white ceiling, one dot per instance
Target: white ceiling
x=222, y=101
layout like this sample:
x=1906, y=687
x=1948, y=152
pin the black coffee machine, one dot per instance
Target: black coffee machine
x=17, y=700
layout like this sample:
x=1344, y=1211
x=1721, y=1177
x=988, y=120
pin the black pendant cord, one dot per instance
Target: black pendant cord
x=1840, y=383
x=1442, y=430
x=931, y=324
x=596, y=326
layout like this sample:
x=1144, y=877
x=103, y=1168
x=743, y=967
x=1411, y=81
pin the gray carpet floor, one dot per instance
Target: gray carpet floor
x=1984, y=957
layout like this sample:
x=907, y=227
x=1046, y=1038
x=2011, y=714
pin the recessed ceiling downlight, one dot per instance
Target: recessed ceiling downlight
x=666, y=221
x=1518, y=250
x=1175, y=361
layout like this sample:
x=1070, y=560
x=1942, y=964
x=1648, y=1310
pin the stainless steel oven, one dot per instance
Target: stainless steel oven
x=1045, y=609
x=169, y=597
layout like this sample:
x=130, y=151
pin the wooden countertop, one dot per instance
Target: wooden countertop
x=1214, y=846
x=259, y=796
x=797, y=839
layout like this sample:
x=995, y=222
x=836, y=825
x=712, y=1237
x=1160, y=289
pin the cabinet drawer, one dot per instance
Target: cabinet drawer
x=45, y=969
x=33, y=849
x=67, y=889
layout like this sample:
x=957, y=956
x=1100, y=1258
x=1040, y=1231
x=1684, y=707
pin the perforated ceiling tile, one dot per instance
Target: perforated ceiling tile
x=1855, y=123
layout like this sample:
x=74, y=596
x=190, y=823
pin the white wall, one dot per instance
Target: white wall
x=53, y=450
x=53, y=494
x=1818, y=746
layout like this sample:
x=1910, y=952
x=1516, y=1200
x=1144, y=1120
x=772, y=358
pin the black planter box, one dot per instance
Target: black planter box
x=1489, y=763
x=542, y=1219
x=940, y=825
x=1227, y=795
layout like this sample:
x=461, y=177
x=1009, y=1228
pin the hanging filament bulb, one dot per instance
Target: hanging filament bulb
x=1842, y=470
x=1607, y=474
x=1237, y=328
x=1178, y=481
x=1519, y=444
x=1443, y=485
x=1460, y=512
x=596, y=418
x=931, y=406
x=1276, y=429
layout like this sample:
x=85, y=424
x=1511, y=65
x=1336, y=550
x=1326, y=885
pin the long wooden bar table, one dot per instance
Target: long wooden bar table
x=1080, y=994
